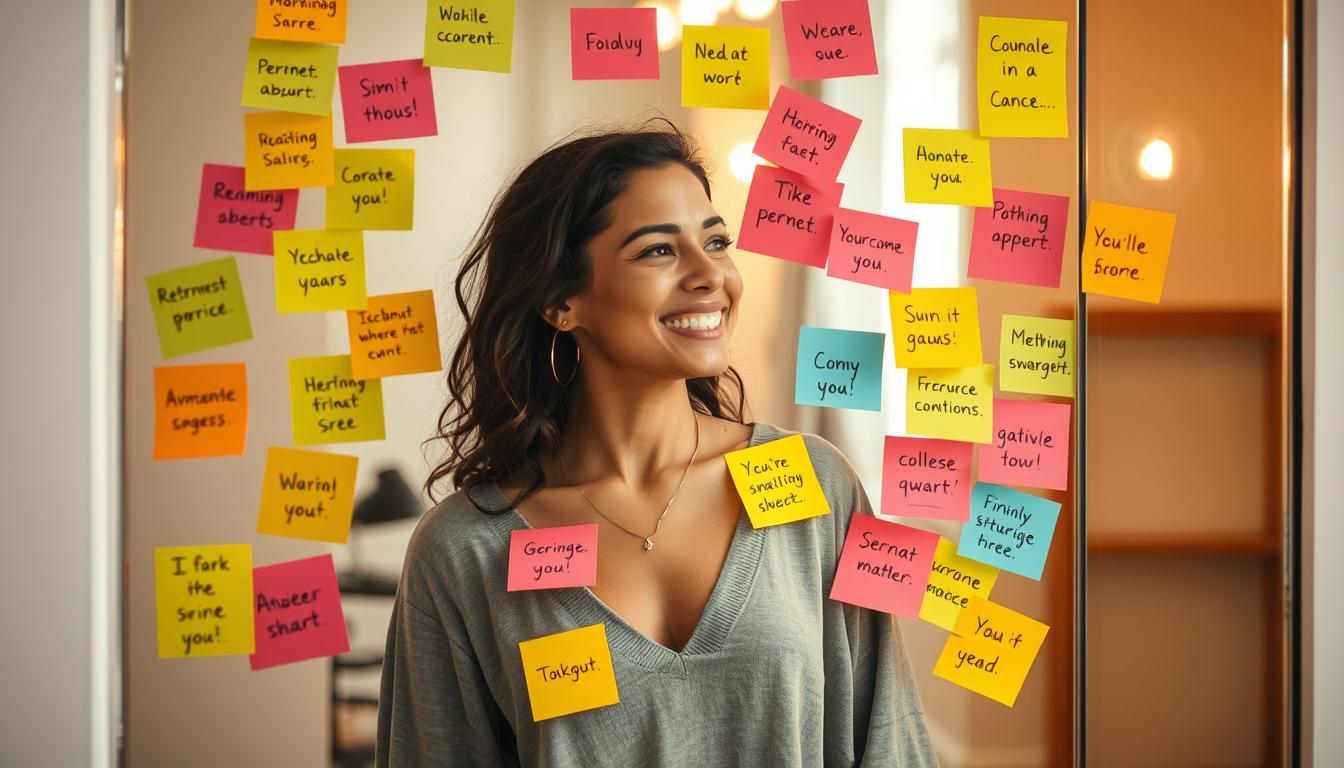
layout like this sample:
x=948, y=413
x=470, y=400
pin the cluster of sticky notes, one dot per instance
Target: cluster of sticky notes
x=203, y=600
x=839, y=369
x=991, y=650
x=229, y=217
x=569, y=672
x=198, y=307
x=307, y=494
x=1021, y=87
x=776, y=482
x=329, y=405
x=884, y=566
x=387, y=100
x=476, y=35
x=200, y=410
x=554, y=557
x=788, y=216
x=297, y=612
x=926, y=477
x=396, y=334
x=318, y=270
x=374, y=189
x=726, y=67
x=613, y=43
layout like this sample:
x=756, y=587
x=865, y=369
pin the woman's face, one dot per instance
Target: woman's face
x=664, y=291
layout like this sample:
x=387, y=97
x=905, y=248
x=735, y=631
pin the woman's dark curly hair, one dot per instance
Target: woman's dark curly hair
x=504, y=407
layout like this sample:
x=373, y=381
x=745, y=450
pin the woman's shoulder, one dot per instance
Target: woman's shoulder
x=456, y=537
x=835, y=472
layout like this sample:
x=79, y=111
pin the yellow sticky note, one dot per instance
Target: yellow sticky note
x=203, y=600
x=776, y=482
x=945, y=166
x=397, y=334
x=314, y=21
x=1125, y=251
x=1020, y=77
x=318, y=270
x=935, y=328
x=727, y=67
x=307, y=494
x=951, y=403
x=328, y=405
x=288, y=76
x=1036, y=355
x=476, y=35
x=286, y=150
x=953, y=581
x=374, y=189
x=991, y=651
x=569, y=672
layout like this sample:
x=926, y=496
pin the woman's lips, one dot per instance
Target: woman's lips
x=696, y=325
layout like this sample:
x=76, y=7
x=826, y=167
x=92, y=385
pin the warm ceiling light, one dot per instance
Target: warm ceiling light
x=669, y=28
x=742, y=162
x=721, y=6
x=1155, y=160
x=699, y=12
x=753, y=10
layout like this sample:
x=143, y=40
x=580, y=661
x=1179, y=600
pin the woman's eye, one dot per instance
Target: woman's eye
x=662, y=249
x=718, y=243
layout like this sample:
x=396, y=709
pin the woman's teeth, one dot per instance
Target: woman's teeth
x=706, y=322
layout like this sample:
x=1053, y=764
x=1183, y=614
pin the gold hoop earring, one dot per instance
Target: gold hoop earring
x=577, y=354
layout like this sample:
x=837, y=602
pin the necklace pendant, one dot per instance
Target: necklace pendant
x=648, y=544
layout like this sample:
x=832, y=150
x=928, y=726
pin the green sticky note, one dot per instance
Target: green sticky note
x=198, y=307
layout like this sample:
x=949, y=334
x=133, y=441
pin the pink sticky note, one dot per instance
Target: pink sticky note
x=805, y=135
x=1020, y=239
x=229, y=218
x=613, y=43
x=387, y=100
x=549, y=558
x=872, y=249
x=926, y=477
x=884, y=566
x=1030, y=445
x=297, y=612
x=788, y=217
x=829, y=38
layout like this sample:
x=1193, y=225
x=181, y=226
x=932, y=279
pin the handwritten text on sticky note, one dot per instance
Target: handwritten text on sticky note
x=292, y=77
x=307, y=494
x=1020, y=239
x=569, y=672
x=473, y=35
x=947, y=166
x=285, y=150
x=776, y=482
x=884, y=566
x=953, y=581
x=397, y=334
x=318, y=270
x=1020, y=77
x=991, y=650
x=229, y=218
x=374, y=189
x=297, y=612
x=788, y=217
x=200, y=410
x=1009, y=529
x=839, y=368
x=1036, y=355
x=1030, y=446
x=328, y=405
x=203, y=600
x=951, y=403
x=550, y=558
x=828, y=38
x=613, y=43
x=1125, y=251
x=310, y=21
x=935, y=328
x=872, y=249
x=198, y=307
x=725, y=67
x=926, y=477
x=387, y=100
x=807, y=136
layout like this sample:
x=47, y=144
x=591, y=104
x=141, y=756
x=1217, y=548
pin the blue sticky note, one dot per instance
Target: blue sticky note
x=1009, y=529
x=839, y=369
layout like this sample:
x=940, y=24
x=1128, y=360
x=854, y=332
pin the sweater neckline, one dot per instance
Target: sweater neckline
x=726, y=601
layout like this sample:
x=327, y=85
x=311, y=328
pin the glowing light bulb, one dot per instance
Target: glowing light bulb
x=753, y=10
x=742, y=162
x=669, y=27
x=699, y=12
x=1155, y=160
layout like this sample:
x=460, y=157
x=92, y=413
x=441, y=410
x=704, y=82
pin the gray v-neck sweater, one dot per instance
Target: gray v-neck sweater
x=775, y=673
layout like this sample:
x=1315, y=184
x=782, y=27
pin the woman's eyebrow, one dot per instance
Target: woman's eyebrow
x=666, y=229
x=712, y=221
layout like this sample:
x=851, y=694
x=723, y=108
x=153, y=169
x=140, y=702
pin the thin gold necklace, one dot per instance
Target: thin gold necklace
x=648, y=540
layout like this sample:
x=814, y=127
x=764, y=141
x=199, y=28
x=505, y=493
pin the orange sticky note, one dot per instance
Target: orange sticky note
x=200, y=410
x=397, y=334
x=991, y=651
x=569, y=672
x=287, y=150
x=317, y=21
x=953, y=581
x=1125, y=251
x=307, y=494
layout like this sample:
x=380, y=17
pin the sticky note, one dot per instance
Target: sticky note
x=839, y=369
x=1125, y=251
x=951, y=403
x=315, y=21
x=475, y=35
x=317, y=270
x=926, y=477
x=1020, y=239
x=807, y=136
x=387, y=100
x=307, y=494
x=776, y=482
x=374, y=189
x=726, y=67
x=297, y=612
x=788, y=217
x=397, y=334
x=1036, y=355
x=1009, y=529
x=550, y=558
x=871, y=249
x=569, y=672
x=203, y=600
x=953, y=581
x=1030, y=446
x=230, y=218
x=198, y=307
x=290, y=77
x=935, y=328
x=328, y=405
x=828, y=38
x=1020, y=67
x=200, y=410
x=947, y=166
x=884, y=566
x=613, y=43
x=285, y=150
x=991, y=650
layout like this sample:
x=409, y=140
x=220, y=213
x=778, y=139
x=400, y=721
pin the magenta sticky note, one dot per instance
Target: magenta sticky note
x=884, y=566
x=806, y=136
x=297, y=612
x=1030, y=445
x=549, y=558
x=613, y=43
x=1020, y=239
x=229, y=218
x=872, y=249
x=788, y=216
x=387, y=100
x=829, y=38
x=926, y=477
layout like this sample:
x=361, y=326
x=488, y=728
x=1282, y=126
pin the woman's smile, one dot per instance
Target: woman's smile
x=697, y=325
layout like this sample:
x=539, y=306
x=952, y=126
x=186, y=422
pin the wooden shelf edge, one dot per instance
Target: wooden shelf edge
x=1249, y=544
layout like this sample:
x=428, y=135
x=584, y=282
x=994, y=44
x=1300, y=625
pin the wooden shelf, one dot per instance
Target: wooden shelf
x=1244, y=321
x=1184, y=544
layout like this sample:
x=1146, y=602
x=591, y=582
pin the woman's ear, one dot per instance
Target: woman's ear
x=557, y=316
